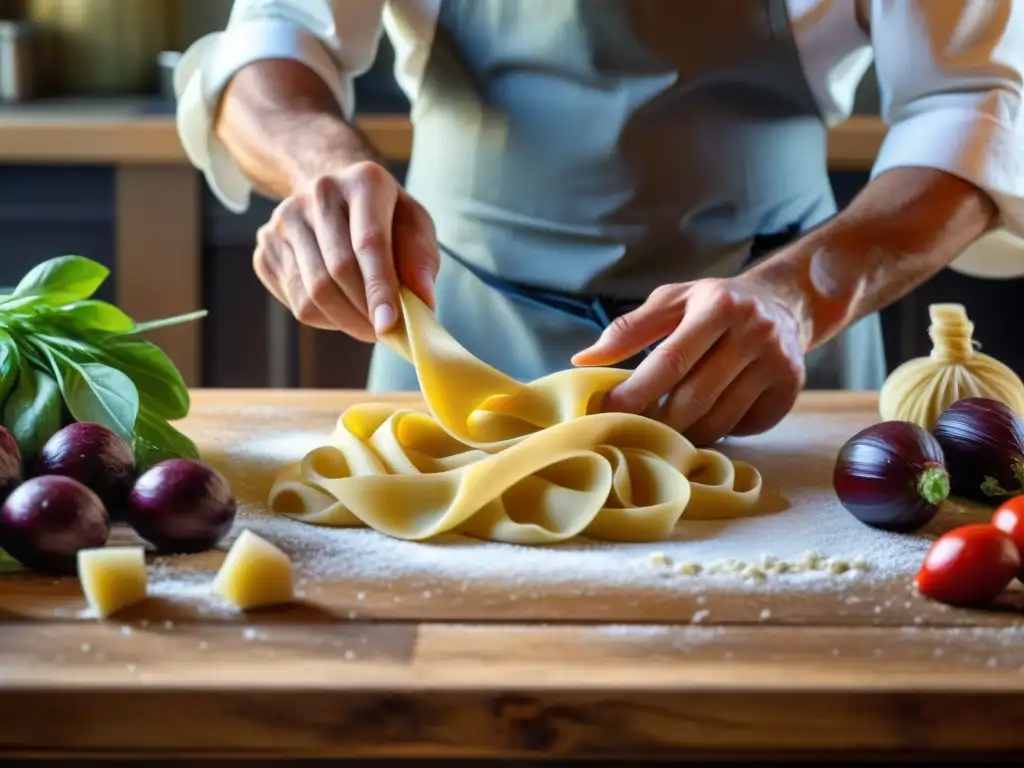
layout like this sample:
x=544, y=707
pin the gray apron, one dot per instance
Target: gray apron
x=583, y=152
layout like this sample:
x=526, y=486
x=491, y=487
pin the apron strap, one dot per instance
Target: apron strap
x=765, y=245
x=596, y=310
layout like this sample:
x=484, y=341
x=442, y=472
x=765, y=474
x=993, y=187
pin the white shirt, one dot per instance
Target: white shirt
x=950, y=76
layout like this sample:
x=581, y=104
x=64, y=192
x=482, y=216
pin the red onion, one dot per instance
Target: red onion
x=10, y=464
x=94, y=455
x=47, y=519
x=983, y=442
x=891, y=476
x=181, y=506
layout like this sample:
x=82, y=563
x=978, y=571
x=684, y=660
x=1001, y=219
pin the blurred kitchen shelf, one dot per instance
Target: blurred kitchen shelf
x=136, y=131
x=142, y=131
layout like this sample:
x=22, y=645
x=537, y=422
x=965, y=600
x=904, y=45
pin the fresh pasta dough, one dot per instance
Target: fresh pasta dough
x=501, y=460
x=919, y=390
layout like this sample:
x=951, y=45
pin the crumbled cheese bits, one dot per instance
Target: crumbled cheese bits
x=760, y=571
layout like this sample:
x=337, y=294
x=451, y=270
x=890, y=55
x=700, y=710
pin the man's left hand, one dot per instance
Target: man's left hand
x=730, y=361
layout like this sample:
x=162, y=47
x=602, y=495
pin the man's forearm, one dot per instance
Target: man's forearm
x=282, y=125
x=903, y=228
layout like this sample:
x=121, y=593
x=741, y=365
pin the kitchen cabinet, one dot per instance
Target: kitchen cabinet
x=51, y=210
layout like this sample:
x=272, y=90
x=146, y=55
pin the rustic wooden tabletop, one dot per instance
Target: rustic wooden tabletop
x=374, y=663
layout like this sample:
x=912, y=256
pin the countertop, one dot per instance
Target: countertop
x=130, y=131
x=388, y=665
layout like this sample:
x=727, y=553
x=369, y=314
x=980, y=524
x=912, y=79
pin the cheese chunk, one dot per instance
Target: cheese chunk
x=254, y=574
x=112, y=578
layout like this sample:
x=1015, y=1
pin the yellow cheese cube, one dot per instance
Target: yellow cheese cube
x=254, y=574
x=112, y=578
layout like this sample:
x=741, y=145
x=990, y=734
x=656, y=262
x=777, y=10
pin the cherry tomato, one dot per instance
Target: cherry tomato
x=969, y=565
x=1009, y=518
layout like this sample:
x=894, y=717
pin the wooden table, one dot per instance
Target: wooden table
x=477, y=675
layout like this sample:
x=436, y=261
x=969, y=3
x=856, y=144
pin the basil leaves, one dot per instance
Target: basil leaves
x=65, y=356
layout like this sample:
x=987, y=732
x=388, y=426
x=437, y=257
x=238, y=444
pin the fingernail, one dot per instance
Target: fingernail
x=593, y=349
x=427, y=279
x=383, y=318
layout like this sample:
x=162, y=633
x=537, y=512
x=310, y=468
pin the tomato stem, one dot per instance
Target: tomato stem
x=933, y=485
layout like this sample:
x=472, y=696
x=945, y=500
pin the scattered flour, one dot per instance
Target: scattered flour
x=805, y=541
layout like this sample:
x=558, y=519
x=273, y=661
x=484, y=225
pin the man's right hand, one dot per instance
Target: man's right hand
x=336, y=250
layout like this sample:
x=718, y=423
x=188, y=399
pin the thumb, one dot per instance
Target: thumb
x=629, y=334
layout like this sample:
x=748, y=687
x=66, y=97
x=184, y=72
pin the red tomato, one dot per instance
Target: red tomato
x=969, y=565
x=1009, y=517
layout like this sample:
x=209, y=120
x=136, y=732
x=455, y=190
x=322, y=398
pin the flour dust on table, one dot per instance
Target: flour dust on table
x=805, y=541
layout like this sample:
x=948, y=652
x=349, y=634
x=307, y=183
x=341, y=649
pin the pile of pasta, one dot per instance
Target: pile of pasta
x=501, y=460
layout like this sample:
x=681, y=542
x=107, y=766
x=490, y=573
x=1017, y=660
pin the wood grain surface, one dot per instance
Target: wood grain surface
x=353, y=671
x=117, y=131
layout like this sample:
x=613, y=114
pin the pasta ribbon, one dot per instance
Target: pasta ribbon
x=500, y=460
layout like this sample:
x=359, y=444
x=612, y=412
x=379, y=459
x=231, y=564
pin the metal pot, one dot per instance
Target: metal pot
x=104, y=47
x=19, y=61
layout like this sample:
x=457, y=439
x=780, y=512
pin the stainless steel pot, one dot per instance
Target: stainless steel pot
x=104, y=47
x=20, y=61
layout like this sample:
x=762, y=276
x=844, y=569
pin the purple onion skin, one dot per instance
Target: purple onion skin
x=95, y=456
x=891, y=476
x=181, y=506
x=10, y=464
x=983, y=442
x=46, y=520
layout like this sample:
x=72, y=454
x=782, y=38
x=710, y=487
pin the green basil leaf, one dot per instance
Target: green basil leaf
x=27, y=305
x=168, y=322
x=76, y=349
x=9, y=364
x=62, y=280
x=9, y=565
x=91, y=315
x=176, y=320
x=102, y=395
x=156, y=441
x=159, y=383
x=34, y=410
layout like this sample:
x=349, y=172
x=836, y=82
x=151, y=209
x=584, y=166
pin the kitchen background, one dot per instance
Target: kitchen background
x=87, y=70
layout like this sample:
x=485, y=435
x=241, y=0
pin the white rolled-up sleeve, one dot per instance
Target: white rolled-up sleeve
x=338, y=40
x=950, y=78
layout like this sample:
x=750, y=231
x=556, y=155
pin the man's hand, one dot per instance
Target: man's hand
x=345, y=234
x=731, y=362
x=335, y=251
